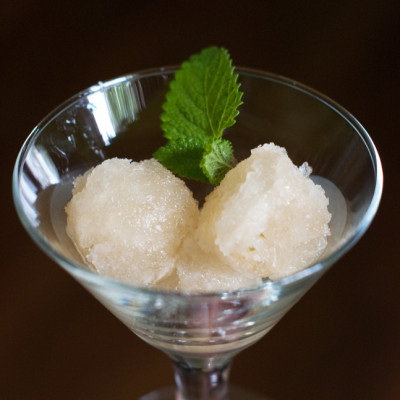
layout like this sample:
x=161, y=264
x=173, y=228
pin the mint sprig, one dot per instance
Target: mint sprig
x=202, y=102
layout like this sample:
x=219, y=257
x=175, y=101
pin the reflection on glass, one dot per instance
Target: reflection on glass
x=113, y=109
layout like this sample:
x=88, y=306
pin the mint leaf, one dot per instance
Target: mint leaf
x=183, y=157
x=204, y=97
x=217, y=160
x=202, y=102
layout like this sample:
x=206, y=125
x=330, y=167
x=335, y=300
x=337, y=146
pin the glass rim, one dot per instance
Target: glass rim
x=77, y=269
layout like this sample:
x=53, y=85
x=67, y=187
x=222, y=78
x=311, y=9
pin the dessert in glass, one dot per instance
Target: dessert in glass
x=201, y=331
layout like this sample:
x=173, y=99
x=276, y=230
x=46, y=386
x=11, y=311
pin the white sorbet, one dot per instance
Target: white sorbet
x=128, y=219
x=266, y=218
x=202, y=271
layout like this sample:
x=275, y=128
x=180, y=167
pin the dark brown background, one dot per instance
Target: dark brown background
x=342, y=341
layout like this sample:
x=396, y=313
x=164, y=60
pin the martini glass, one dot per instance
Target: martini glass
x=200, y=332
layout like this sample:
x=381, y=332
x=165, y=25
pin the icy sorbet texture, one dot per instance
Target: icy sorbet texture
x=139, y=223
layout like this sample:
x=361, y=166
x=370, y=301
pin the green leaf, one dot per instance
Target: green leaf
x=183, y=157
x=202, y=102
x=217, y=160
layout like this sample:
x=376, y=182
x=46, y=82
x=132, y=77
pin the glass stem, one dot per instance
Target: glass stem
x=201, y=384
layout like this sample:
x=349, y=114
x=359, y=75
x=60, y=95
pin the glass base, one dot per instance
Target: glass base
x=235, y=393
